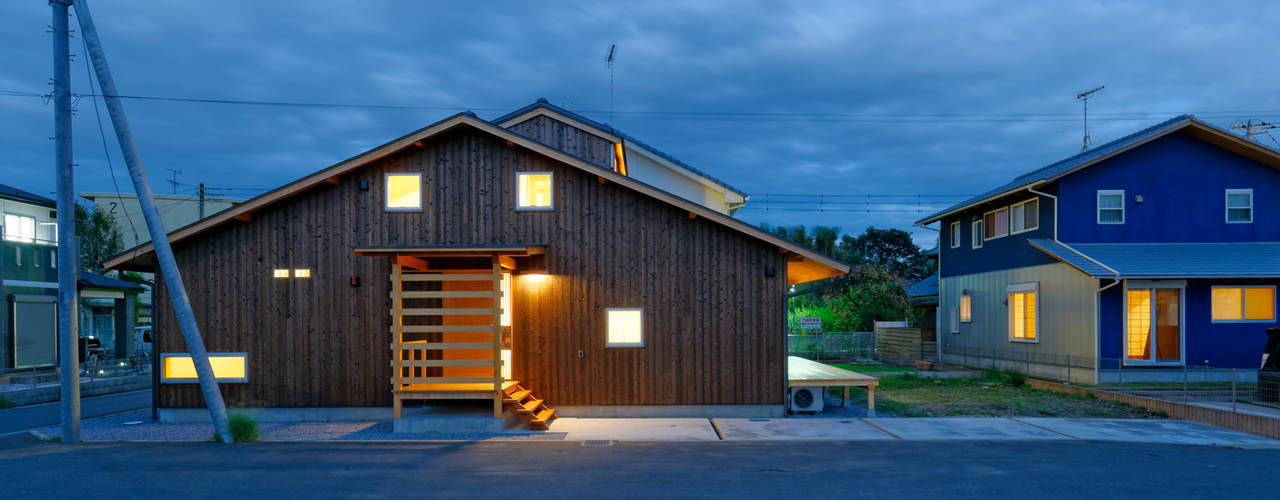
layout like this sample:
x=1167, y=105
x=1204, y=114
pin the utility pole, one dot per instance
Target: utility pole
x=1084, y=97
x=164, y=253
x=68, y=330
x=175, y=173
x=201, y=200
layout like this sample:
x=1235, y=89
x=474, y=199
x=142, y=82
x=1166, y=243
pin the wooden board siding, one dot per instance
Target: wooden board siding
x=567, y=138
x=713, y=321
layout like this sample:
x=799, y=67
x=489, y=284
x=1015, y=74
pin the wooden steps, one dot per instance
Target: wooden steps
x=532, y=410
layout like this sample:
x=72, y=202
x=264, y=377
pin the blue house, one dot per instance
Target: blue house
x=1148, y=255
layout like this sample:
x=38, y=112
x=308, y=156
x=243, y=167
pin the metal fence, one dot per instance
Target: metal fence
x=99, y=366
x=858, y=346
x=1203, y=385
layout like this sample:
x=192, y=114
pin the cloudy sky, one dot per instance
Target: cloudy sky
x=870, y=111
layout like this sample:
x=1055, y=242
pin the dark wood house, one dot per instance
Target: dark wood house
x=465, y=256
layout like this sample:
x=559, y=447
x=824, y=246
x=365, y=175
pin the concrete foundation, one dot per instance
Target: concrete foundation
x=319, y=414
x=671, y=411
x=455, y=419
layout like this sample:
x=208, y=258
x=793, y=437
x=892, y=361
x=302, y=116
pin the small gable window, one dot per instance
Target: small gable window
x=1239, y=206
x=1110, y=206
x=404, y=192
x=534, y=191
x=955, y=235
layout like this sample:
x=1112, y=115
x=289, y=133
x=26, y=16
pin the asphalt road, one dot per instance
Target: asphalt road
x=47, y=414
x=897, y=469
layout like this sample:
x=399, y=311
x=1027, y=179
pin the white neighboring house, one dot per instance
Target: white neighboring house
x=176, y=211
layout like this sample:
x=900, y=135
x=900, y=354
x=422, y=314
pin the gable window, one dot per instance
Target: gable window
x=996, y=224
x=1026, y=216
x=404, y=193
x=624, y=327
x=976, y=239
x=955, y=235
x=1110, y=206
x=966, y=308
x=19, y=228
x=534, y=191
x=1024, y=312
x=1239, y=206
x=1249, y=303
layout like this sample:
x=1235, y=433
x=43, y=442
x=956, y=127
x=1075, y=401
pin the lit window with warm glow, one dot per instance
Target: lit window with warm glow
x=533, y=191
x=966, y=308
x=624, y=327
x=1139, y=324
x=280, y=273
x=179, y=368
x=1256, y=303
x=404, y=192
x=1023, y=312
x=301, y=273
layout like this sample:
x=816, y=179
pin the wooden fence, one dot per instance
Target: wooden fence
x=906, y=345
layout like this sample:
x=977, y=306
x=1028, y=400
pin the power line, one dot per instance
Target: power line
x=106, y=151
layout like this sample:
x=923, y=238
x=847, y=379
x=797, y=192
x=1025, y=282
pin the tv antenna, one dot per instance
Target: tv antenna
x=1254, y=128
x=613, y=47
x=1084, y=97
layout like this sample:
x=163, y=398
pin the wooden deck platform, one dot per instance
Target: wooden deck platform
x=805, y=373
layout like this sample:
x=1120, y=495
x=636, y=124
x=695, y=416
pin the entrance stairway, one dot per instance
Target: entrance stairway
x=532, y=411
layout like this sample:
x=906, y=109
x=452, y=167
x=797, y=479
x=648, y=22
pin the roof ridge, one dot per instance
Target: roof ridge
x=1107, y=145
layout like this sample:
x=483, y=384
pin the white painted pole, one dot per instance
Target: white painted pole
x=160, y=241
x=68, y=254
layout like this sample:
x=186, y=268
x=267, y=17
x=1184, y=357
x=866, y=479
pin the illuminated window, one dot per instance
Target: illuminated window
x=1110, y=206
x=996, y=223
x=19, y=228
x=1023, y=312
x=975, y=238
x=533, y=191
x=624, y=327
x=505, y=287
x=404, y=192
x=966, y=308
x=280, y=273
x=179, y=368
x=1139, y=324
x=955, y=235
x=1239, y=206
x=301, y=273
x=1256, y=303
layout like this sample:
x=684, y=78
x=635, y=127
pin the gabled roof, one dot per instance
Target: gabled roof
x=100, y=282
x=927, y=287
x=542, y=103
x=810, y=266
x=1168, y=260
x=13, y=193
x=1056, y=170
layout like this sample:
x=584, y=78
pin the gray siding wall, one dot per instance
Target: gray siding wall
x=1066, y=308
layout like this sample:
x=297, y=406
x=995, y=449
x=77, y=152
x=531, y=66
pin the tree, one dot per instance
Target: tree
x=873, y=294
x=891, y=250
x=99, y=237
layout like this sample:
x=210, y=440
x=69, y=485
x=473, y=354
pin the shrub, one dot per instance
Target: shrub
x=244, y=429
x=4, y=402
x=1016, y=378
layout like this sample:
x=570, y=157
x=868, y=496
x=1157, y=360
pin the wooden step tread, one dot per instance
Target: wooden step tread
x=530, y=406
x=510, y=387
x=518, y=396
x=544, y=416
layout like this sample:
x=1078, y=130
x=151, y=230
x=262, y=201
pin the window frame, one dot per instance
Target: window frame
x=1275, y=318
x=243, y=356
x=1024, y=204
x=966, y=308
x=1007, y=226
x=547, y=208
x=386, y=193
x=609, y=344
x=1098, y=206
x=1226, y=201
x=955, y=234
x=16, y=236
x=955, y=319
x=978, y=228
x=1033, y=288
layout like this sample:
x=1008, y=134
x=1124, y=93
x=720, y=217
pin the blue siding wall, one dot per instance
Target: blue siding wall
x=1008, y=252
x=1224, y=345
x=1183, y=183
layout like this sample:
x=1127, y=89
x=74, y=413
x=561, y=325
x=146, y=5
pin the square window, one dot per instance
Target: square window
x=1255, y=303
x=1110, y=207
x=301, y=273
x=1023, y=312
x=534, y=191
x=996, y=223
x=280, y=273
x=404, y=192
x=19, y=228
x=1239, y=206
x=1026, y=216
x=624, y=327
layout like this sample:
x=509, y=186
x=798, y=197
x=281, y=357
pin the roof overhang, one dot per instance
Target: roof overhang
x=805, y=264
x=449, y=250
x=1243, y=260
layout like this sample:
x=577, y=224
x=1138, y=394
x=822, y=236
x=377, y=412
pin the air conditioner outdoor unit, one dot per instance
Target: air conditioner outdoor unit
x=806, y=399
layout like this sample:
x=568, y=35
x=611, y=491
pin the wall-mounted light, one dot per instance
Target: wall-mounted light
x=301, y=273
x=1137, y=199
x=280, y=273
x=355, y=281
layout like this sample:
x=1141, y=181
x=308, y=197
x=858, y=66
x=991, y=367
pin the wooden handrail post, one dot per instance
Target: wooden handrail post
x=397, y=326
x=497, y=337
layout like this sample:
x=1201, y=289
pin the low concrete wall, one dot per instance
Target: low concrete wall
x=95, y=387
x=317, y=414
x=1243, y=422
x=672, y=411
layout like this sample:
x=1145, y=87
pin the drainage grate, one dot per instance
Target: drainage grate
x=597, y=442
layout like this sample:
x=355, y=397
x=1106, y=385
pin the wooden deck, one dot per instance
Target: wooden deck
x=805, y=373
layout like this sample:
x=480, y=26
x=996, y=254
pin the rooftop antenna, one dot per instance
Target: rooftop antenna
x=613, y=47
x=1084, y=97
x=1254, y=128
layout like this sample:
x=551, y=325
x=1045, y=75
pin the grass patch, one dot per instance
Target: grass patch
x=860, y=368
x=996, y=393
x=244, y=429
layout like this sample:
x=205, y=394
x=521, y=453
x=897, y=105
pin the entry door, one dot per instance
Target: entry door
x=1153, y=326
